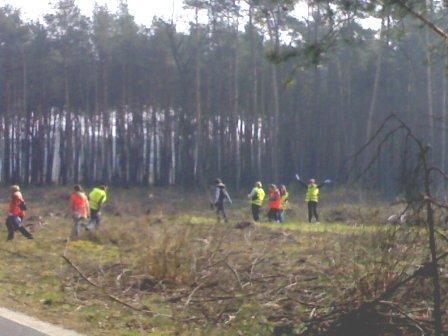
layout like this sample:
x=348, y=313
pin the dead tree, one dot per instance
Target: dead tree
x=427, y=200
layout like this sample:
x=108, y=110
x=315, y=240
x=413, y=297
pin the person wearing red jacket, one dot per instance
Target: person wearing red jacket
x=16, y=214
x=275, y=204
x=80, y=209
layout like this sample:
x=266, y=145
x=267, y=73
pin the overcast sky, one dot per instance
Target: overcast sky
x=143, y=10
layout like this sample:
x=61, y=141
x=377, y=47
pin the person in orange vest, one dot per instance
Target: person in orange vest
x=16, y=214
x=275, y=204
x=80, y=209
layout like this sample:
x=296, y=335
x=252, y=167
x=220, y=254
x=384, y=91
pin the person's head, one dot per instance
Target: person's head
x=312, y=181
x=218, y=181
x=258, y=184
x=272, y=187
x=78, y=188
x=221, y=185
x=283, y=189
x=14, y=188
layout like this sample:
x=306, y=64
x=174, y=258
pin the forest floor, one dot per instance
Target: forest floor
x=161, y=265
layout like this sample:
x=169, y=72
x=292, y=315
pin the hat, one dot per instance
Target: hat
x=15, y=188
x=258, y=184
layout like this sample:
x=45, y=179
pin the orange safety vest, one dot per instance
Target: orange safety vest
x=80, y=204
x=275, y=200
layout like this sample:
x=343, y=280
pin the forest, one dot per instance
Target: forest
x=350, y=96
x=253, y=90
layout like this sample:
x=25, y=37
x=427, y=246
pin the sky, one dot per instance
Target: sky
x=143, y=10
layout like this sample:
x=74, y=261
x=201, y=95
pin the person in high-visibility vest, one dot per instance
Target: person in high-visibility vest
x=16, y=214
x=312, y=197
x=80, y=209
x=284, y=196
x=275, y=204
x=97, y=198
x=256, y=197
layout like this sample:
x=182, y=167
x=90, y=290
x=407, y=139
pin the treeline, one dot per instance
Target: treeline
x=106, y=99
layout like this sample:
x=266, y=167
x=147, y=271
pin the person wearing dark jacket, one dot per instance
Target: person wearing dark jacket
x=312, y=196
x=220, y=198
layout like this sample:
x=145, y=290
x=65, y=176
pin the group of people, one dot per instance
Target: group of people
x=278, y=200
x=86, y=210
x=84, y=207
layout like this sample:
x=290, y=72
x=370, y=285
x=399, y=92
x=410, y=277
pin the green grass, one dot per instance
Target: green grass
x=180, y=246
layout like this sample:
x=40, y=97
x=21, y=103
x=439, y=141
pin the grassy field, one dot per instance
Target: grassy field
x=161, y=265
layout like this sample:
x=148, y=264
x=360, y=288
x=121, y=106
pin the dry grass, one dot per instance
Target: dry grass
x=186, y=275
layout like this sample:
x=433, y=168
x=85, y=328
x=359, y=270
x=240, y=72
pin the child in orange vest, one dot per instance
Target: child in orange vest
x=80, y=209
x=275, y=204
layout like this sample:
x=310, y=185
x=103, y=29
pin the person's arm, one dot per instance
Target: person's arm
x=228, y=197
x=303, y=184
x=100, y=203
x=87, y=206
x=326, y=182
x=216, y=199
x=252, y=194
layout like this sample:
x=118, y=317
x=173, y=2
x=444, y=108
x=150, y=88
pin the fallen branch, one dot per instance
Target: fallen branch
x=110, y=296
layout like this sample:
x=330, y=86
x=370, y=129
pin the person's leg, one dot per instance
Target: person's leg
x=18, y=224
x=76, y=226
x=310, y=212
x=256, y=212
x=95, y=220
x=282, y=216
x=272, y=215
x=224, y=214
x=11, y=228
x=25, y=233
x=316, y=215
x=98, y=220
x=218, y=213
x=91, y=223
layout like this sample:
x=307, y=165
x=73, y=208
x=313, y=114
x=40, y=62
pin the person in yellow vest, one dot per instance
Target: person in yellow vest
x=312, y=197
x=284, y=196
x=256, y=197
x=97, y=197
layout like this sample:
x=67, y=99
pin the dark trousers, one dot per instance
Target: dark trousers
x=274, y=215
x=312, y=211
x=95, y=219
x=256, y=212
x=221, y=211
x=13, y=224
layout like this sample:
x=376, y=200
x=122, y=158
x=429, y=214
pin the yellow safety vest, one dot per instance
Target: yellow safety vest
x=285, y=198
x=97, y=197
x=312, y=194
x=259, y=196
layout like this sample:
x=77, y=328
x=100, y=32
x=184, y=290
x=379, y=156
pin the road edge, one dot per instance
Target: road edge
x=33, y=323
